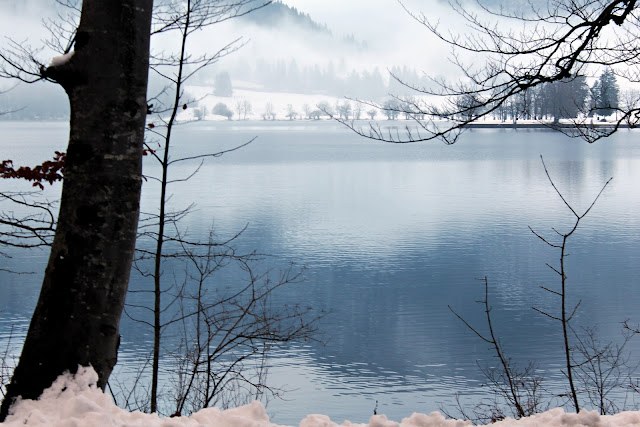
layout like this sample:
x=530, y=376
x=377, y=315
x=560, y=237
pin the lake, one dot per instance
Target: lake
x=389, y=236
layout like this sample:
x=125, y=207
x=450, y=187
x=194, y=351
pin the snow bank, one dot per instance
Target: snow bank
x=75, y=401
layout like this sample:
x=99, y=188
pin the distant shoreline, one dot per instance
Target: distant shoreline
x=517, y=125
x=384, y=122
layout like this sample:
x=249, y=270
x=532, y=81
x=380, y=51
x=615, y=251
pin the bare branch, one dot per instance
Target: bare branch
x=505, y=59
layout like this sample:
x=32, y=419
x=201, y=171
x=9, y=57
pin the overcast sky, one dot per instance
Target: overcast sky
x=394, y=36
x=364, y=18
x=353, y=16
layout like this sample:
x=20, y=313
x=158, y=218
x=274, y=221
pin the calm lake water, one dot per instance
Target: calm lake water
x=390, y=235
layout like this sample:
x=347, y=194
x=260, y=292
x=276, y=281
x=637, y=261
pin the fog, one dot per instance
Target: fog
x=392, y=36
x=364, y=42
x=350, y=51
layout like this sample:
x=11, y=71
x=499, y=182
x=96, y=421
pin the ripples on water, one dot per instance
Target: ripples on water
x=390, y=235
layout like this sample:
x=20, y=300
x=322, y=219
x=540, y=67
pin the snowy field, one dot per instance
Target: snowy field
x=203, y=101
x=77, y=402
x=258, y=100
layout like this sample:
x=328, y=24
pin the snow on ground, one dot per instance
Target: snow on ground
x=75, y=401
x=259, y=99
x=280, y=102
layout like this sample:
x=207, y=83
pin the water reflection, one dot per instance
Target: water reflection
x=391, y=235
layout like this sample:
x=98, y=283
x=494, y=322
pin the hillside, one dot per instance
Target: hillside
x=278, y=15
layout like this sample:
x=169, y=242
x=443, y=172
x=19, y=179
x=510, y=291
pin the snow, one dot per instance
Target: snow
x=76, y=401
x=280, y=101
x=245, y=91
x=57, y=61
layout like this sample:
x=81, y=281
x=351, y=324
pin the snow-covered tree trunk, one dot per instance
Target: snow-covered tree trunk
x=77, y=316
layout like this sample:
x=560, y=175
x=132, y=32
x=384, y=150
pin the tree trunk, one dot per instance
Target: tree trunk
x=77, y=316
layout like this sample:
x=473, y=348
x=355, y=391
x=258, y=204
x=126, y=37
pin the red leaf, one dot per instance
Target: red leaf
x=49, y=171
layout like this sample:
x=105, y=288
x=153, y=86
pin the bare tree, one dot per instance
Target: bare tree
x=243, y=108
x=522, y=51
x=7, y=364
x=77, y=316
x=186, y=18
x=176, y=68
x=220, y=333
x=326, y=108
x=520, y=389
x=247, y=108
x=566, y=313
x=240, y=109
x=630, y=99
x=200, y=113
x=357, y=111
x=34, y=225
x=344, y=110
x=306, y=108
x=269, y=112
x=228, y=334
x=597, y=372
x=602, y=369
x=292, y=114
x=32, y=230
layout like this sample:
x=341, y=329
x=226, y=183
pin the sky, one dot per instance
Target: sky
x=395, y=38
x=366, y=18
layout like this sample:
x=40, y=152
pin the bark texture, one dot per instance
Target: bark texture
x=77, y=317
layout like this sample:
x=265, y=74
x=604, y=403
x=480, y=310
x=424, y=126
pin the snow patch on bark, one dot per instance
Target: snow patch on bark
x=57, y=61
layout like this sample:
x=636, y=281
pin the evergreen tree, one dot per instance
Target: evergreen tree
x=222, y=85
x=564, y=99
x=607, y=93
x=594, y=94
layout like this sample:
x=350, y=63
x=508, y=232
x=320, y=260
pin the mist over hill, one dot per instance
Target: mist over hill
x=507, y=6
x=277, y=14
x=284, y=49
